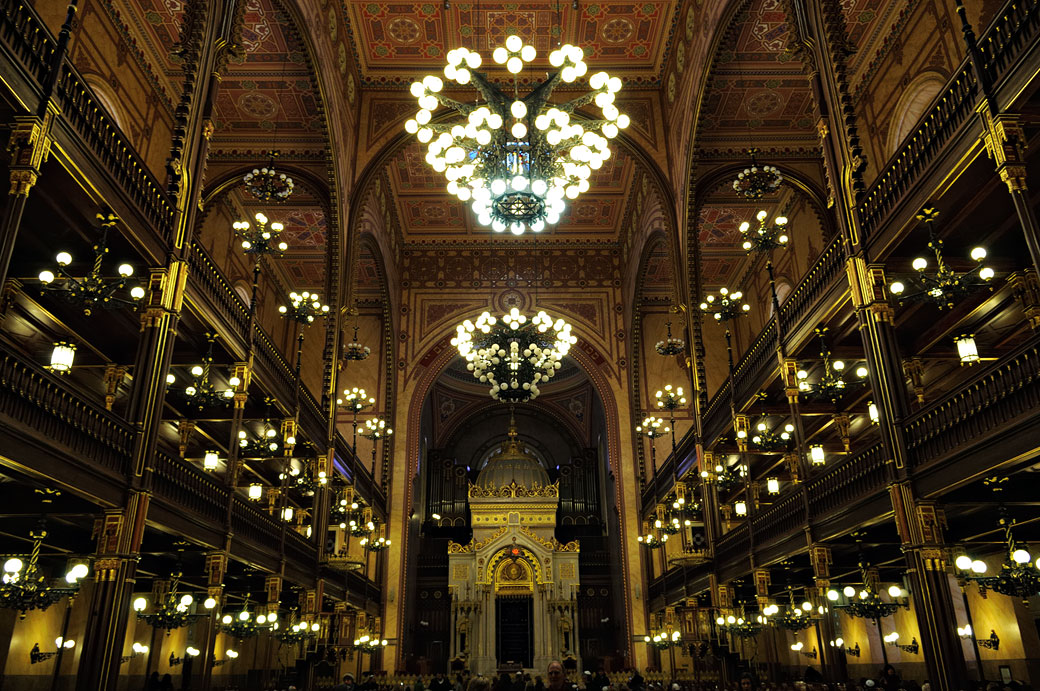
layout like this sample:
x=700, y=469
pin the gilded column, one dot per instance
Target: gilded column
x=920, y=530
x=119, y=534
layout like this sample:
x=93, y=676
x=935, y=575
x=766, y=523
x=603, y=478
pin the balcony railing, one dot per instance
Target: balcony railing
x=26, y=37
x=857, y=476
x=1009, y=36
x=33, y=398
x=995, y=398
x=187, y=488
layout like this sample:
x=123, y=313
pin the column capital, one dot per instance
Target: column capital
x=29, y=147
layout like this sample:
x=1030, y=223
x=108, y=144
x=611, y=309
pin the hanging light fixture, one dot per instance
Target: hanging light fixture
x=872, y=413
x=740, y=507
x=756, y=180
x=260, y=240
x=210, y=461
x=369, y=643
x=740, y=626
x=94, y=290
x=767, y=236
x=773, y=485
x=268, y=444
x=304, y=307
x=355, y=400
x=513, y=354
x=728, y=305
x=202, y=393
x=256, y=492
x=652, y=541
x=267, y=184
x=866, y=603
x=670, y=345
x=663, y=640
x=834, y=382
x=24, y=588
x=792, y=617
x=354, y=350
x=1019, y=575
x=945, y=286
x=816, y=454
x=246, y=624
x=62, y=357
x=172, y=612
x=967, y=351
x=516, y=160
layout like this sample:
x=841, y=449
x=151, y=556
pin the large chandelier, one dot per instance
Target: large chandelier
x=834, y=382
x=945, y=286
x=24, y=588
x=93, y=290
x=1019, y=576
x=792, y=617
x=757, y=180
x=246, y=624
x=866, y=603
x=517, y=160
x=171, y=611
x=267, y=184
x=513, y=354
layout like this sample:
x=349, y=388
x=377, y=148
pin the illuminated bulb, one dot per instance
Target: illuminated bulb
x=894, y=591
x=1020, y=556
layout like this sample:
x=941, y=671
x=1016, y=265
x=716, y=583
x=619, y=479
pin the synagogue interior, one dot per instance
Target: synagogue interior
x=678, y=344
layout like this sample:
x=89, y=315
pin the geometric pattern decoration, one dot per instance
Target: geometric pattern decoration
x=396, y=39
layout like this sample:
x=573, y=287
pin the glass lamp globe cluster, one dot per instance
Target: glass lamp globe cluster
x=513, y=354
x=517, y=160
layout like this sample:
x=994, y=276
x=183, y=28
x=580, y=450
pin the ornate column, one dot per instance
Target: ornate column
x=831, y=659
x=920, y=530
x=119, y=533
x=216, y=567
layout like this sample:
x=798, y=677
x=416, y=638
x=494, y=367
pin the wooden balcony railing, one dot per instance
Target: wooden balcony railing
x=189, y=489
x=857, y=476
x=26, y=38
x=995, y=398
x=785, y=516
x=1009, y=36
x=51, y=408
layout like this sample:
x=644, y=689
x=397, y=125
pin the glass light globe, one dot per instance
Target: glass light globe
x=895, y=591
x=849, y=591
x=963, y=562
x=1020, y=556
x=139, y=604
x=978, y=566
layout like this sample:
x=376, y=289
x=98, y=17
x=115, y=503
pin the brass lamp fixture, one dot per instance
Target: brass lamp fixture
x=375, y=544
x=992, y=643
x=840, y=644
x=726, y=306
x=93, y=290
x=516, y=160
x=297, y=631
x=201, y=393
x=663, y=640
x=375, y=429
x=652, y=541
x=671, y=345
x=912, y=647
x=1019, y=574
x=369, y=643
x=266, y=184
x=740, y=625
x=304, y=308
x=36, y=655
x=268, y=444
x=670, y=398
x=799, y=648
x=355, y=400
x=866, y=602
x=834, y=381
x=514, y=354
x=62, y=357
x=246, y=624
x=261, y=240
x=792, y=617
x=943, y=287
x=767, y=235
x=757, y=180
x=356, y=351
x=653, y=427
x=24, y=588
x=172, y=611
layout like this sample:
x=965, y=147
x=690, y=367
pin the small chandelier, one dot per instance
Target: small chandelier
x=663, y=640
x=261, y=240
x=375, y=544
x=172, y=612
x=513, y=354
x=201, y=393
x=355, y=400
x=62, y=357
x=246, y=624
x=767, y=236
x=670, y=345
x=866, y=603
x=520, y=178
x=945, y=286
x=93, y=290
x=1019, y=575
x=267, y=184
x=833, y=383
x=368, y=643
x=652, y=541
x=792, y=617
x=24, y=588
x=653, y=427
x=756, y=181
x=268, y=444
x=767, y=439
x=740, y=626
x=728, y=305
x=309, y=480
x=354, y=350
x=297, y=631
x=304, y=307
x=725, y=477
x=375, y=428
